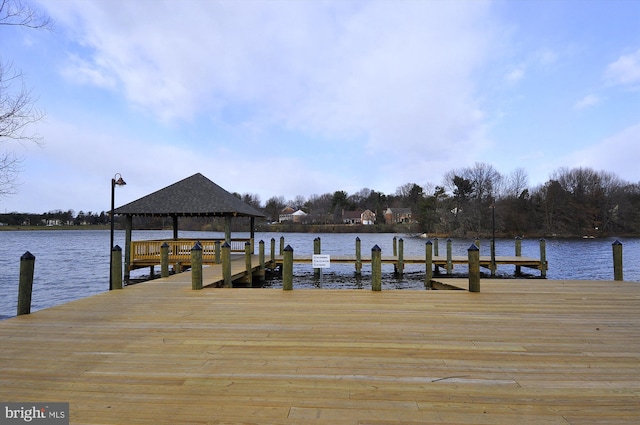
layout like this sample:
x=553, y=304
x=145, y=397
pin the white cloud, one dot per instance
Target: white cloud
x=398, y=75
x=618, y=154
x=625, y=70
x=587, y=101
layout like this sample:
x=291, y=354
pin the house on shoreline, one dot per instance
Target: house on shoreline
x=366, y=217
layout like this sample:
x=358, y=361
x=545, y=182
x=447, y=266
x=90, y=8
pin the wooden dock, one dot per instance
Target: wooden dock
x=441, y=261
x=519, y=352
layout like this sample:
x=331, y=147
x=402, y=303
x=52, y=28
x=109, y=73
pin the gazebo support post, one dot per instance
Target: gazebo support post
x=252, y=233
x=175, y=227
x=227, y=229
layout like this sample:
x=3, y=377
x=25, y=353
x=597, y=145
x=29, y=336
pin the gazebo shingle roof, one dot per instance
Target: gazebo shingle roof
x=193, y=196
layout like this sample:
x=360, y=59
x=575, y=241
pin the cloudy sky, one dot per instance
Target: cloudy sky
x=308, y=97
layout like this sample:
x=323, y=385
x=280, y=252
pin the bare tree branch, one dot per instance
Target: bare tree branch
x=17, y=110
x=20, y=14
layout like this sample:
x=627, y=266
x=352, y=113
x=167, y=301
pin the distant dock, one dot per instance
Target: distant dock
x=149, y=254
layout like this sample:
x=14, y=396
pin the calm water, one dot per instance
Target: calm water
x=75, y=264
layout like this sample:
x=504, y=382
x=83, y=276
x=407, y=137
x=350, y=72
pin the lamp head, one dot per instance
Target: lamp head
x=118, y=180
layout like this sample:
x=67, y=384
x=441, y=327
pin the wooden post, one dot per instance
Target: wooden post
x=449, y=257
x=395, y=246
x=25, y=287
x=273, y=251
x=196, y=266
x=400, y=263
x=316, y=250
x=226, y=265
x=436, y=254
x=247, y=263
x=518, y=254
x=358, y=257
x=262, y=273
x=617, y=260
x=116, y=267
x=287, y=269
x=281, y=245
x=428, y=264
x=493, y=257
x=164, y=260
x=543, y=258
x=217, y=245
x=376, y=268
x=474, y=269
x=128, y=226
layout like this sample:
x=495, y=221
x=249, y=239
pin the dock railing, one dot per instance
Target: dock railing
x=147, y=252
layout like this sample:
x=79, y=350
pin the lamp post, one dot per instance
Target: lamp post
x=493, y=238
x=115, y=181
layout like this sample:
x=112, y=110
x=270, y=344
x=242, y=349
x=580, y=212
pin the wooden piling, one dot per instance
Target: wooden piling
x=474, y=268
x=226, y=265
x=449, y=257
x=493, y=257
x=272, y=253
x=436, y=253
x=395, y=246
x=261, y=275
x=164, y=260
x=25, y=287
x=287, y=269
x=617, y=260
x=400, y=263
x=316, y=250
x=518, y=254
x=196, y=267
x=358, y=257
x=248, y=274
x=116, y=267
x=543, y=258
x=376, y=268
x=428, y=265
x=281, y=245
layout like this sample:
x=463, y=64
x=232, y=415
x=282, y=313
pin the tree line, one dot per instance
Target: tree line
x=470, y=201
x=476, y=200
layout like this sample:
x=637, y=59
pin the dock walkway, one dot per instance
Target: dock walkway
x=553, y=352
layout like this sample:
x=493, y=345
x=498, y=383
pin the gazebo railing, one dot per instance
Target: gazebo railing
x=147, y=252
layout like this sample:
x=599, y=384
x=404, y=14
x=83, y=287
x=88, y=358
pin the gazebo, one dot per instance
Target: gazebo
x=195, y=196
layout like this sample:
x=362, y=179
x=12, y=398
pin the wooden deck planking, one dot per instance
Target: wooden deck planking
x=557, y=352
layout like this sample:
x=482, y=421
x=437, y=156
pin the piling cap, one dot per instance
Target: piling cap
x=376, y=248
x=27, y=256
x=116, y=248
x=226, y=245
x=196, y=247
x=288, y=248
x=617, y=242
x=429, y=243
x=164, y=245
x=473, y=247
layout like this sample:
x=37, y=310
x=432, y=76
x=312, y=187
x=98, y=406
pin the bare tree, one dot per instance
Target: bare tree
x=17, y=110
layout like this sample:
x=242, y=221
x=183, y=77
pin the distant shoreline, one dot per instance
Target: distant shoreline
x=328, y=228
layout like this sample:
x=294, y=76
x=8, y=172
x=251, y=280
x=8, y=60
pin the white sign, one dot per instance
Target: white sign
x=321, y=261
